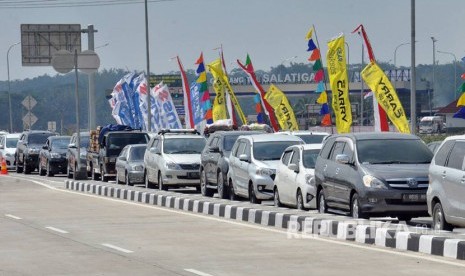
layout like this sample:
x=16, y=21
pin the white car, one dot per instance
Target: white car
x=8, y=148
x=172, y=159
x=294, y=184
x=252, y=165
x=309, y=137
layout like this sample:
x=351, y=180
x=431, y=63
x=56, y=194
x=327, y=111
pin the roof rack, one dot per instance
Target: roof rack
x=178, y=131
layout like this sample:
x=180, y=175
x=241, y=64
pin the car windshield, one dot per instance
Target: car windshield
x=311, y=138
x=137, y=154
x=271, y=150
x=84, y=141
x=426, y=123
x=309, y=158
x=60, y=143
x=229, y=141
x=394, y=151
x=39, y=138
x=120, y=140
x=11, y=142
x=183, y=145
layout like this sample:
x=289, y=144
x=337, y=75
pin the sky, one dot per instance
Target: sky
x=271, y=31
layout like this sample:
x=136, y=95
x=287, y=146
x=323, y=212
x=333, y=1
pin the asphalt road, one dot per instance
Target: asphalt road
x=47, y=231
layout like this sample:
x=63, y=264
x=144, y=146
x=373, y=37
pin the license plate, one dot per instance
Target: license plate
x=193, y=175
x=413, y=197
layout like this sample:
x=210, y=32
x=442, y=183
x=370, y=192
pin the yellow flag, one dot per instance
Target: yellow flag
x=323, y=98
x=386, y=96
x=218, y=74
x=461, y=101
x=339, y=82
x=309, y=34
x=219, y=104
x=282, y=108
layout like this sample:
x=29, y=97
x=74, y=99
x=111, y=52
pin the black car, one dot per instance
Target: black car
x=373, y=174
x=28, y=148
x=215, y=161
x=72, y=155
x=52, y=157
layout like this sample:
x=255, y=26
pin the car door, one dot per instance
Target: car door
x=291, y=185
x=150, y=163
x=454, y=182
x=205, y=156
x=120, y=164
x=330, y=172
x=212, y=158
x=44, y=154
x=20, y=148
x=282, y=175
x=241, y=170
x=344, y=176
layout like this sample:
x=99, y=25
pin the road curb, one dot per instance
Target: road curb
x=298, y=226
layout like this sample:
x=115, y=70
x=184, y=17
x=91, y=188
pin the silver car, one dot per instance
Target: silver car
x=130, y=164
x=446, y=192
x=253, y=162
x=8, y=149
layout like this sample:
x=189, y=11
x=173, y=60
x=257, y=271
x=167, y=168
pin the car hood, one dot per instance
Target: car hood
x=391, y=171
x=10, y=150
x=272, y=164
x=136, y=163
x=183, y=158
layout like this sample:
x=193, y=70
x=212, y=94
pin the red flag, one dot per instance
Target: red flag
x=187, y=97
x=315, y=55
x=463, y=76
x=326, y=121
x=319, y=75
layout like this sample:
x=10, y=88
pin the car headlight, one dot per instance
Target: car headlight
x=373, y=182
x=172, y=166
x=55, y=155
x=309, y=179
x=265, y=171
x=137, y=168
x=33, y=151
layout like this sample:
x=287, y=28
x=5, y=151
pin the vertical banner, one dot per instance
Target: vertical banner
x=386, y=95
x=164, y=111
x=219, y=104
x=186, y=96
x=339, y=82
x=197, y=114
x=283, y=110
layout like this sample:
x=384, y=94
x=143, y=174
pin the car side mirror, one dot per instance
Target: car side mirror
x=293, y=167
x=342, y=159
x=155, y=151
x=2, y=147
x=44, y=147
x=215, y=149
x=72, y=146
x=244, y=157
x=122, y=158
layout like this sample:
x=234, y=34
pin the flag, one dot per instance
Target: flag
x=367, y=95
x=196, y=108
x=461, y=89
x=164, y=111
x=187, y=97
x=229, y=103
x=461, y=101
x=219, y=111
x=202, y=84
x=339, y=82
x=258, y=109
x=323, y=98
x=326, y=121
x=460, y=113
x=385, y=94
x=283, y=110
x=249, y=70
x=463, y=76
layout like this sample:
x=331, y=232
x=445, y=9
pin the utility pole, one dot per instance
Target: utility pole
x=149, y=103
x=413, y=84
x=92, y=104
x=434, y=66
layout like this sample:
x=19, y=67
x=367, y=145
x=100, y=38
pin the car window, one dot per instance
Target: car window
x=393, y=151
x=183, y=145
x=38, y=138
x=295, y=157
x=337, y=149
x=11, y=142
x=60, y=143
x=324, y=153
x=271, y=150
x=348, y=151
x=456, y=156
x=311, y=138
x=214, y=142
x=229, y=141
x=124, y=152
x=309, y=158
x=137, y=154
x=286, y=157
x=240, y=148
x=247, y=148
x=443, y=152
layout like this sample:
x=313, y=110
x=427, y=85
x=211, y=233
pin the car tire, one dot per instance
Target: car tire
x=222, y=188
x=232, y=194
x=18, y=168
x=322, y=206
x=355, y=209
x=68, y=172
x=439, y=220
x=277, y=201
x=160, y=183
x=42, y=172
x=26, y=168
x=49, y=171
x=252, y=197
x=94, y=175
x=203, y=184
x=148, y=184
x=300, y=201
x=127, y=180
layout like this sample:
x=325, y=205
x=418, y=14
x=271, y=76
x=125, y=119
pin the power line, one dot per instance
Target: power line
x=68, y=4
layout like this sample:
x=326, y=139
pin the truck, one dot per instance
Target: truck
x=106, y=143
x=431, y=124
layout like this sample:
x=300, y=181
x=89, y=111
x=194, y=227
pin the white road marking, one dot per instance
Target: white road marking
x=57, y=230
x=413, y=255
x=117, y=248
x=197, y=272
x=11, y=216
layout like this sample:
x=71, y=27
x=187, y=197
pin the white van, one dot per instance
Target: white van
x=431, y=124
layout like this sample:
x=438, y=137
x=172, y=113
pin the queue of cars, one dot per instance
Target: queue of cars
x=358, y=174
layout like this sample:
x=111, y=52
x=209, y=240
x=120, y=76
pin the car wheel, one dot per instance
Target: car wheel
x=277, y=202
x=439, y=220
x=95, y=176
x=102, y=175
x=148, y=184
x=252, y=197
x=322, y=207
x=41, y=171
x=222, y=188
x=128, y=182
x=26, y=170
x=232, y=194
x=300, y=201
x=18, y=168
x=49, y=171
x=203, y=184
x=355, y=210
x=160, y=183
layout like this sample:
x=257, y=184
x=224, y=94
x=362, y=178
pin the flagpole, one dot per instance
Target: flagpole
x=362, y=87
x=321, y=57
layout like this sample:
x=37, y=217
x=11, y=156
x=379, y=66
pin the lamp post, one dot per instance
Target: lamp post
x=434, y=64
x=395, y=53
x=9, y=92
x=455, y=71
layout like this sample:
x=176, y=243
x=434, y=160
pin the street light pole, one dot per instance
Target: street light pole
x=395, y=53
x=434, y=65
x=455, y=71
x=9, y=92
x=149, y=103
